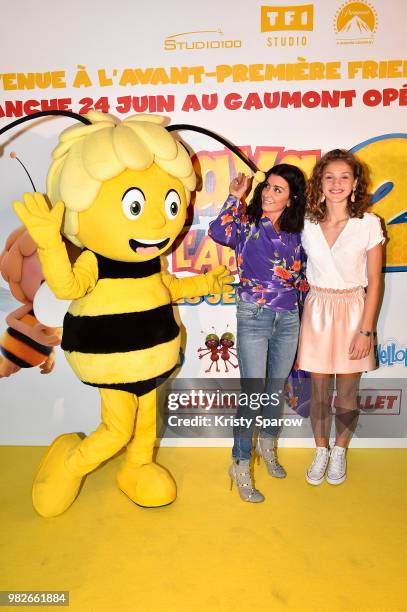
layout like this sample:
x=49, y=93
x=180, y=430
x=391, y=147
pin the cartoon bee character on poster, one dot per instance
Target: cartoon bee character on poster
x=26, y=343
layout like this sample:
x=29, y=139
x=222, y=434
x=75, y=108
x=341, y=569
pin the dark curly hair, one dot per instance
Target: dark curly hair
x=315, y=209
x=292, y=217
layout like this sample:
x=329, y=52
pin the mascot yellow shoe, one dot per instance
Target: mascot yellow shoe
x=148, y=485
x=55, y=487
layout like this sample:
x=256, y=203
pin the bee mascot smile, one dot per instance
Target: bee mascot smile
x=121, y=191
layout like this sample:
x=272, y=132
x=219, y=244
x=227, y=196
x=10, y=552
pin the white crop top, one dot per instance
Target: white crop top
x=344, y=265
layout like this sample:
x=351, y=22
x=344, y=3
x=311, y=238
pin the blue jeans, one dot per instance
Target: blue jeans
x=266, y=346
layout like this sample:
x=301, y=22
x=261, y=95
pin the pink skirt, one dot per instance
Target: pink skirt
x=330, y=320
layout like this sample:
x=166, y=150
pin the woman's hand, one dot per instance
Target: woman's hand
x=360, y=346
x=239, y=185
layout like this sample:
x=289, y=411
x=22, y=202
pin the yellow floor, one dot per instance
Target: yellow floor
x=305, y=548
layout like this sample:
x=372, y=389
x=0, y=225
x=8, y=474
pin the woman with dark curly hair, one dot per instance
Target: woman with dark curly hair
x=343, y=243
x=270, y=261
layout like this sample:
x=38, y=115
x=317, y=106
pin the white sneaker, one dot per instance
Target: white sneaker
x=316, y=471
x=337, y=466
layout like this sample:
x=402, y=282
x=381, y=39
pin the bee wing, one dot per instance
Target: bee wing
x=48, y=309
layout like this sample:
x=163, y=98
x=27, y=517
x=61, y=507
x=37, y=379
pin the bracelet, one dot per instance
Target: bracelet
x=365, y=333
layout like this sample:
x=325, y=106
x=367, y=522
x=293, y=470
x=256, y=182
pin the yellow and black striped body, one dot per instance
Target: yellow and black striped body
x=22, y=350
x=123, y=335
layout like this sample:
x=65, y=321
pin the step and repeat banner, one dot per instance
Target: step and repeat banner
x=283, y=81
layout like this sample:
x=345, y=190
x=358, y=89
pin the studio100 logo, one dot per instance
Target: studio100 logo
x=199, y=40
x=288, y=19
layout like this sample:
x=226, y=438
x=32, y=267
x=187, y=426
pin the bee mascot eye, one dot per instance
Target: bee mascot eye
x=172, y=204
x=133, y=203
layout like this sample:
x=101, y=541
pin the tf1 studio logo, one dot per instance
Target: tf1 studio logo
x=278, y=18
x=287, y=19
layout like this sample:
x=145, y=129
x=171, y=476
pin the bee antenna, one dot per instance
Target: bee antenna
x=226, y=143
x=13, y=155
x=13, y=124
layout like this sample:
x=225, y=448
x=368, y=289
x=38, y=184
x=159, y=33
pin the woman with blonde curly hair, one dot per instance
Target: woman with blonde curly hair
x=343, y=243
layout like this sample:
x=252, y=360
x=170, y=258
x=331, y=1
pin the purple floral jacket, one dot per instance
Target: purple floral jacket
x=271, y=265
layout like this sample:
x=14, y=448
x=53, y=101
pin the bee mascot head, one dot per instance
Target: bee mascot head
x=125, y=185
x=121, y=190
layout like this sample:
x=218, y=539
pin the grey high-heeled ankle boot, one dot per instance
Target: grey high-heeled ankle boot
x=266, y=448
x=239, y=473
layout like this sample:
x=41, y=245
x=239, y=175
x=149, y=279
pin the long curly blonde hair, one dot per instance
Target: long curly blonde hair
x=315, y=209
x=89, y=155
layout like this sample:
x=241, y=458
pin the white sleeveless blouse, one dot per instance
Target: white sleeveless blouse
x=343, y=266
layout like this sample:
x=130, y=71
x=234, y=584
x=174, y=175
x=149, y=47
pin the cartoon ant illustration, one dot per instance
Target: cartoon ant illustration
x=227, y=341
x=219, y=347
x=211, y=343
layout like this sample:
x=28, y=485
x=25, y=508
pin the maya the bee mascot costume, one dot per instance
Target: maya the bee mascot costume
x=120, y=190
